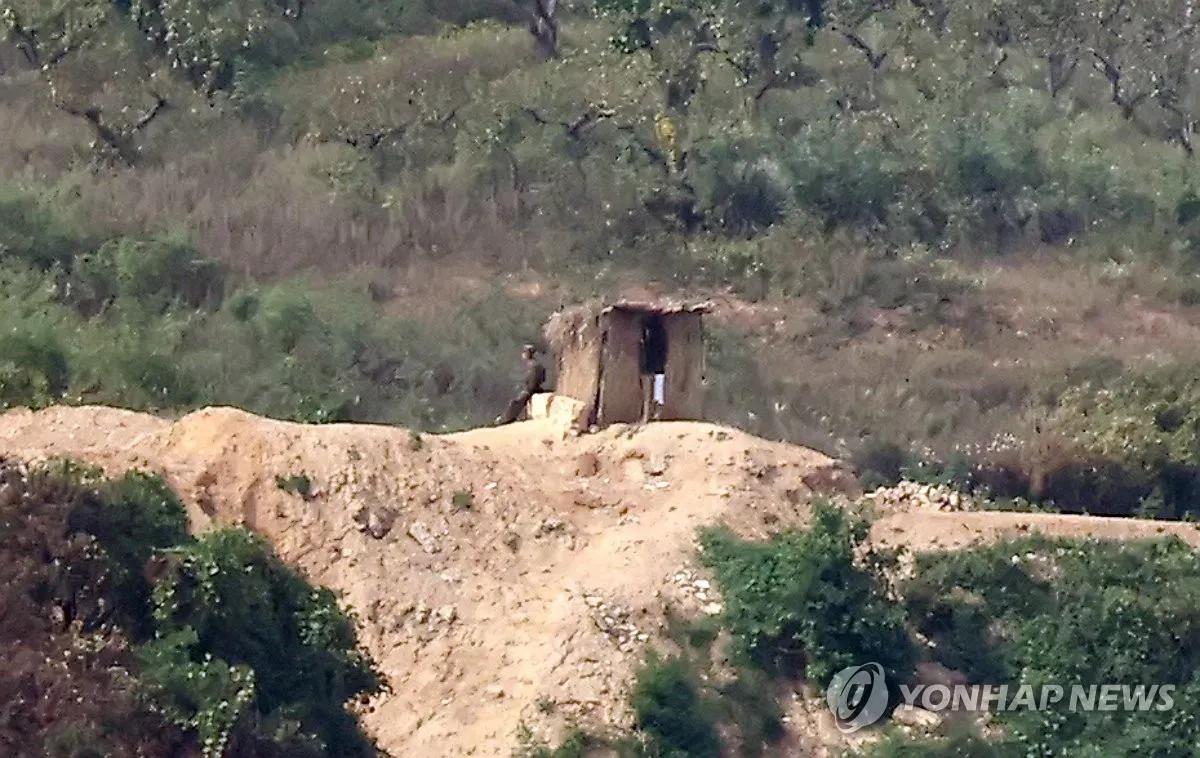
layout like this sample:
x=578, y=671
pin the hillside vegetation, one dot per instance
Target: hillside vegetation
x=925, y=222
x=128, y=637
x=951, y=242
x=1024, y=612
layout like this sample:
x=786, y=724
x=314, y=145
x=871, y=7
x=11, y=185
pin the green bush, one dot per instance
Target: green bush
x=1036, y=611
x=32, y=236
x=132, y=518
x=154, y=273
x=671, y=711
x=285, y=315
x=233, y=646
x=841, y=173
x=801, y=604
x=1141, y=432
x=34, y=369
x=195, y=692
x=241, y=605
x=743, y=189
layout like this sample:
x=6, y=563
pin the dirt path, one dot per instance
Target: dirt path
x=932, y=530
x=501, y=576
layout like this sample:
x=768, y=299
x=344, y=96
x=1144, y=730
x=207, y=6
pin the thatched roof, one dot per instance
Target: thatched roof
x=572, y=324
x=663, y=307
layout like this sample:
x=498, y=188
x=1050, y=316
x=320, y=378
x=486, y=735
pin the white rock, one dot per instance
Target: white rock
x=917, y=718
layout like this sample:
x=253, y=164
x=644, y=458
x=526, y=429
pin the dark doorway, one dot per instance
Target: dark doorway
x=654, y=366
x=654, y=345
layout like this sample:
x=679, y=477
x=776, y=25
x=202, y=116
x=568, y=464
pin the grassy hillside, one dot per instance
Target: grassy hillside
x=924, y=222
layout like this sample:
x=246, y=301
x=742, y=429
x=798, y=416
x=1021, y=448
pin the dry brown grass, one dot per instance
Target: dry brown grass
x=1034, y=327
x=36, y=141
x=413, y=81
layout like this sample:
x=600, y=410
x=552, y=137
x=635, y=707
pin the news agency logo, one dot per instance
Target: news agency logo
x=858, y=697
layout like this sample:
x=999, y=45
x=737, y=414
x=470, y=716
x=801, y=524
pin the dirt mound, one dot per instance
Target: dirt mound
x=501, y=576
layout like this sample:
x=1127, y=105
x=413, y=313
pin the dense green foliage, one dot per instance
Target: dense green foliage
x=278, y=646
x=145, y=324
x=672, y=712
x=1037, y=611
x=847, y=156
x=132, y=518
x=1145, y=430
x=233, y=648
x=218, y=197
x=802, y=605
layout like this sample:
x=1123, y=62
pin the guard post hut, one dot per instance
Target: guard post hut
x=630, y=361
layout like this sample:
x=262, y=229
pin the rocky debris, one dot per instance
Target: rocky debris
x=511, y=540
x=614, y=621
x=656, y=464
x=932, y=672
x=909, y=495
x=550, y=526
x=832, y=480
x=377, y=522
x=422, y=622
x=420, y=532
x=590, y=500
x=587, y=464
x=918, y=718
x=690, y=585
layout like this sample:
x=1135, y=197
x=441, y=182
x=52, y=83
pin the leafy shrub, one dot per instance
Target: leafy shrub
x=231, y=599
x=231, y=646
x=740, y=187
x=67, y=679
x=1036, y=611
x=30, y=235
x=1142, y=433
x=285, y=315
x=197, y=693
x=34, y=368
x=131, y=518
x=671, y=711
x=840, y=173
x=800, y=604
x=153, y=273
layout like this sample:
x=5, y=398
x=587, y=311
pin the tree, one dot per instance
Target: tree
x=760, y=42
x=109, y=62
x=544, y=25
x=1141, y=48
x=1053, y=30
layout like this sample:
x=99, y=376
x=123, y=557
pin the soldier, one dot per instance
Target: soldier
x=533, y=381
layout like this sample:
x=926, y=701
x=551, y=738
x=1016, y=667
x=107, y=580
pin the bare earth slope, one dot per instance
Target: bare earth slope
x=500, y=575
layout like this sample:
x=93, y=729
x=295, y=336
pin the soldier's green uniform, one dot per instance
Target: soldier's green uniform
x=533, y=382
